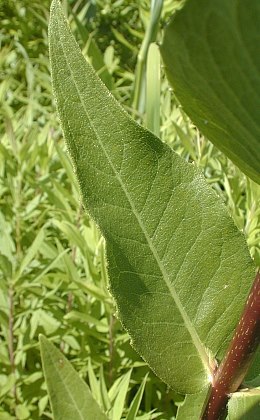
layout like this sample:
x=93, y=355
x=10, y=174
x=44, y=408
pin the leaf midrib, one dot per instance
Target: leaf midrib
x=70, y=395
x=194, y=336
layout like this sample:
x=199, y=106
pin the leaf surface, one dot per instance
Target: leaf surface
x=211, y=50
x=244, y=405
x=192, y=406
x=70, y=396
x=179, y=269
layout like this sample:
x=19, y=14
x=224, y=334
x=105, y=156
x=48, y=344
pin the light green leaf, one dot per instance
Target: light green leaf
x=93, y=382
x=31, y=251
x=135, y=404
x=81, y=316
x=153, y=86
x=179, y=269
x=212, y=57
x=119, y=401
x=7, y=246
x=244, y=405
x=22, y=412
x=192, y=406
x=7, y=383
x=103, y=391
x=70, y=396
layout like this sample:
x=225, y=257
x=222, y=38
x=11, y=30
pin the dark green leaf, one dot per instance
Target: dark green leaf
x=211, y=51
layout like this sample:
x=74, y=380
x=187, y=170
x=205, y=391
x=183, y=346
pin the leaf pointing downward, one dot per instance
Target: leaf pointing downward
x=212, y=58
x=179, y=269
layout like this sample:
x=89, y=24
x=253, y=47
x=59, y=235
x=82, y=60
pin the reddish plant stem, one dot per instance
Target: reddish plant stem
x=235, y=364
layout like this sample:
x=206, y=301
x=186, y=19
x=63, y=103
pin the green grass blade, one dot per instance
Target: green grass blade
x=153, y=93
x=149, y=37
x=135, y=404
x=93, y=382
x=103, y=391
x=119, y=402
x=32, y=251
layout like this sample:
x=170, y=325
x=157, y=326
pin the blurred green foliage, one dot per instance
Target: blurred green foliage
x=52, y=258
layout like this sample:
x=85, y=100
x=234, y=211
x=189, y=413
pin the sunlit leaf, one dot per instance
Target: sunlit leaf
x=179, y=269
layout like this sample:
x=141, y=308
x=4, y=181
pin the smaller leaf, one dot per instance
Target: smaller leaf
x=22, y=412
x=81, y=316
x=93, y=382
x=153, y=87
x=244, y=405
x=70, y=396
x=135, y=404
x=192, y=406
x=103, y=391
x=32, y=251
x=119, y=402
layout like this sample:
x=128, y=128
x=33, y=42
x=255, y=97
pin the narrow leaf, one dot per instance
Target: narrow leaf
x=178, y=268
x=32, y=251
x=119, y=402
x=212, y=54
x=93, y=382
x=103, y=391
x=153, y=89
x=70, y=396
x=135, y=404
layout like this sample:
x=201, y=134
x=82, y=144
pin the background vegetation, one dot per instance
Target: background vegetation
x=52, y=261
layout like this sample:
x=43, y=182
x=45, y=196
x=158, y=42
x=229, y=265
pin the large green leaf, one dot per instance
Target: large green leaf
x=211, y=51
x=179, y=269
x=70, y=396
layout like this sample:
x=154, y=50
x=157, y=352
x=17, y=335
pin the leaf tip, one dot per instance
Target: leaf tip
x=42, y=341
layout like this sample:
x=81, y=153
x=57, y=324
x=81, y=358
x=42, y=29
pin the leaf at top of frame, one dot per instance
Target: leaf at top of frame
x=179, y=269
x=211, y=50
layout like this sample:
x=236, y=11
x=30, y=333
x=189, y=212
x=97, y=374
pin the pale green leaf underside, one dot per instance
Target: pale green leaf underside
x=70, y=396
x=192, y=407
x=211, y=51
x=244, y=405
x=179, y=269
